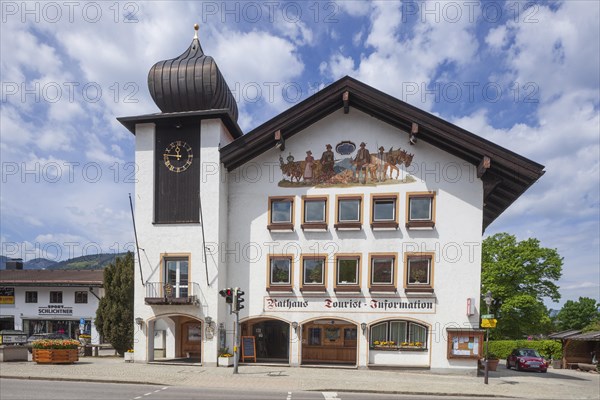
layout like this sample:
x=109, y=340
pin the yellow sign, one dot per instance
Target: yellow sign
x=489, y=323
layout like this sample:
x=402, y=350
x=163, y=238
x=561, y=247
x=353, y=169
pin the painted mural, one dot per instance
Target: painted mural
x=349, y=167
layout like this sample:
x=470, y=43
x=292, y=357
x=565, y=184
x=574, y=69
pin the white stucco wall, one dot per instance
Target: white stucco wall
x=456, y=239
x=38, y=311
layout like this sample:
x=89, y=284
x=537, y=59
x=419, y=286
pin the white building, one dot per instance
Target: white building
x=51, y=301
x=339, y=252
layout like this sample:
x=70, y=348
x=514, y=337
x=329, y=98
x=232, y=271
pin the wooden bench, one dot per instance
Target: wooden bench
x=573, y=362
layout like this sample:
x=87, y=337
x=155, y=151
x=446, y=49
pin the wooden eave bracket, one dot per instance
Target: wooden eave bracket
x=483, y=166
x=414, y=129
x=346, y=100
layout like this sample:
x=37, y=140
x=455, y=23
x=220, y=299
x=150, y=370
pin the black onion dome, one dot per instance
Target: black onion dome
x=190, y=82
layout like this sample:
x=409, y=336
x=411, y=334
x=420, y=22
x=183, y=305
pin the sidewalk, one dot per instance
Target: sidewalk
x=556, y=384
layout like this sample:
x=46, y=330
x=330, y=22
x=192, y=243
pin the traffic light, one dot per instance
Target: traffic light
x=239, y=299
x=228, y=294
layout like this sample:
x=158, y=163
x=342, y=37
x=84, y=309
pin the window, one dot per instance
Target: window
x=81, y=297
x=280, y=273
x=419, y=272
x=176, y=276
x=281, y=213
x=403, y=333
x=421, y=210
x=384, y=211
x=382, y=272
x=314, y=212
x=348, y=273
x=56, y=297
x=349, y=213
x=31, y=297
x=313, y=273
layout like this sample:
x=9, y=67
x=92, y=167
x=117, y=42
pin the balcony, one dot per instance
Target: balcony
x=159, y=293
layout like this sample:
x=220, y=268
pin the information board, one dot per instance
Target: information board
x=465, y=344
x=248, y=348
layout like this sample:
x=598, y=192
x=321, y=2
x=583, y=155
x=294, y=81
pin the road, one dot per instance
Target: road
x=20, y=389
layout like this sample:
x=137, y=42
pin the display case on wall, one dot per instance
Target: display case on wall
x=465, y=343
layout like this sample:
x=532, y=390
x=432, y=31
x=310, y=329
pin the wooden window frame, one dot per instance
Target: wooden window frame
x=380, y=287
x=420, y=224
x=349, y=225
x=375, y=225
x=309, y=287
x=317, y=226
x=81, y=293
x=50, y=300
x=164, y=257
x=388, y=324
x=281, y=226
x=348, y=287
x=419, y=288
x=275, y=287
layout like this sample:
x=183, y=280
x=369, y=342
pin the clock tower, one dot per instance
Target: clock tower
x=181, y=204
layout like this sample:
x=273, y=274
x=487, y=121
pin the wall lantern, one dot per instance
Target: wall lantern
x=295, y=326
x=139, y=321
x=363, y=326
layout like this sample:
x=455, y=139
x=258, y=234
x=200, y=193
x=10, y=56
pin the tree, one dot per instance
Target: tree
x=578, y=314
x=519, y=275
x=114, y=316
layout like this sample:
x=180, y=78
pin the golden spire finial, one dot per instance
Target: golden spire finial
x=196, y=27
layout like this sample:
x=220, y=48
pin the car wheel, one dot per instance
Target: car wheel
x=544, y=371
x=517, y=366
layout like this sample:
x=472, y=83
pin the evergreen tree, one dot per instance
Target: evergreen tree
x=114, y=317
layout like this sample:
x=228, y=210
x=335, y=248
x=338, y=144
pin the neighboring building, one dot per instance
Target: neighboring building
x=51, y=301
x=350, y=220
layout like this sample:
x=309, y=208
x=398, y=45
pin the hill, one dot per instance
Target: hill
x=95, y=261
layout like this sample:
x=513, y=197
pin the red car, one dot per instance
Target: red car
x=526, y=359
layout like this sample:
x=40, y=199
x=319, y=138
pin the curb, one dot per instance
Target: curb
x=45, y=378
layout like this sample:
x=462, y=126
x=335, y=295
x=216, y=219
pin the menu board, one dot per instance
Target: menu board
x=465, y=344
x=248, y=348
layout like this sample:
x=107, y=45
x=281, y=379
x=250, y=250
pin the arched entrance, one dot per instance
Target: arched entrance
x=329, y=341
x=272, y=338
x=175, y=338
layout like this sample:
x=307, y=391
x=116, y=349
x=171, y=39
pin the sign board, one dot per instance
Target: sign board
x=487, y=316
x=248, y=348
x=7, y=295
x=488, y=323
x=465, y=344
x=55, y=309
x=340, y=304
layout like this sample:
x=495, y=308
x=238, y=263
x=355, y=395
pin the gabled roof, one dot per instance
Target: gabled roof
x=56, y=277
x=505, y=174
x=574, y=334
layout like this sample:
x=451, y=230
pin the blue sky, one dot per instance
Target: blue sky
x=525, y=75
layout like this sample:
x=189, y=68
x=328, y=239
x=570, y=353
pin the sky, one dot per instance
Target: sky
x=525, y=75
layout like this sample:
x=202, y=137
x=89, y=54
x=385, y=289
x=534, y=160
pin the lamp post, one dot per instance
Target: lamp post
x=488, y=300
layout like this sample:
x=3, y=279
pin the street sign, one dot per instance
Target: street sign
x=487, y=316
x=488, y=323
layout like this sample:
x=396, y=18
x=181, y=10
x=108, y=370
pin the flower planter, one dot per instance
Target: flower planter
x=128, y=356
x=55, y=356
x=396, y=348
x=225, y=361
x=493, y=364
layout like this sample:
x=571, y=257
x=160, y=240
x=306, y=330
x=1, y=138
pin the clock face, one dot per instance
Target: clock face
x=178, y=156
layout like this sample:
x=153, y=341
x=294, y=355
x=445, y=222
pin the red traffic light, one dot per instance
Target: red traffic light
x=228, y=294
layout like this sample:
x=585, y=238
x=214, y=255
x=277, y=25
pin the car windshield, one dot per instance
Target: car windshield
x=529, y=353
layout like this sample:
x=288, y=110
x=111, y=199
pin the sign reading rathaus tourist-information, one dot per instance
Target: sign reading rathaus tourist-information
x=349, y=304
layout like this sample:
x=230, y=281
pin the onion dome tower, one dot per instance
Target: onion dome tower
x=190, y=82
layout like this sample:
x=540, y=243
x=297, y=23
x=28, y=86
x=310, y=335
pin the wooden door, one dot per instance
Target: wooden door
x=191, y=339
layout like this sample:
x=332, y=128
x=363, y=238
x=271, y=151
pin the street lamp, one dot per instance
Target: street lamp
x=488, y=300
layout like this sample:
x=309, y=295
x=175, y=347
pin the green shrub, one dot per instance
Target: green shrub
x=549, y=349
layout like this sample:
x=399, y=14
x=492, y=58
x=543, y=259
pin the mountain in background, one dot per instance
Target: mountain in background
x=96, y=261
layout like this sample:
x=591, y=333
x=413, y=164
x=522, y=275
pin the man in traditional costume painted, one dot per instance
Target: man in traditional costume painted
x=327, y=162
x=362, y=159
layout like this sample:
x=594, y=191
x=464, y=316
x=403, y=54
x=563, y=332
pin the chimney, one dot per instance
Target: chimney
x=14, y=263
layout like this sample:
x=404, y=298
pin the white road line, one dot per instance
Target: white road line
x=136, y=398
x=164, y=388
x=148, y=394
x=289, y=396
x=157, y=390
x=330, y=395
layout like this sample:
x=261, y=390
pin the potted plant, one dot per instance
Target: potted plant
x=225, y=357
x=492, y=361
x=55, y=351
x=129, y=355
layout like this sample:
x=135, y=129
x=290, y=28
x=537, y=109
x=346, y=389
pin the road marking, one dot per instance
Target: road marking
x=330, y=395
x=289, y=396
x=136, y=398
x=148, y=394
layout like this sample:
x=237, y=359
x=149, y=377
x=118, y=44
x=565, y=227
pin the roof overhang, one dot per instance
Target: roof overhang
x=183, y=117
x=506, y=174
